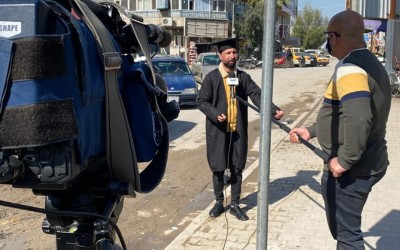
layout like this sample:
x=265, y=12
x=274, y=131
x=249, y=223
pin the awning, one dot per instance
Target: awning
x=375, y=25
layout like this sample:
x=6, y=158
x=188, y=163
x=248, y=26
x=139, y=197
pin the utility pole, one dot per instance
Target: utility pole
x=390, y=37
x=233, y=18
x=348, y=4
x=265, y=140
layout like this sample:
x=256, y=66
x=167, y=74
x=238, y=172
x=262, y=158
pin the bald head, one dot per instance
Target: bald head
x=350, y=25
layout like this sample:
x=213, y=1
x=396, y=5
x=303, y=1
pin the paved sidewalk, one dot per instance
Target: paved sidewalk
x=296, y=211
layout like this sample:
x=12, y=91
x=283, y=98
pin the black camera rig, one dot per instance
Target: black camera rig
x=83, y=199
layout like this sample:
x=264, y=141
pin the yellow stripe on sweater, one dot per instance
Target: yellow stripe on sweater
x=349, y=79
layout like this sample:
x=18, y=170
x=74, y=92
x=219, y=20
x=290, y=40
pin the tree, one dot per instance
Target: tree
x=309, y=27
x=250, y=25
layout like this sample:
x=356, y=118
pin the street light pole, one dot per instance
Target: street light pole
x=348, y=4
x=233, y=20
x=390, y=37
x=265, y=127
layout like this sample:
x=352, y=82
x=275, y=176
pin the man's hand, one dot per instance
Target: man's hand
x=221, y=118
x=296, y=132
x=279, y=114
x=336, y=169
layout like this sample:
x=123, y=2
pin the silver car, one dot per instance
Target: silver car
x=204, y=63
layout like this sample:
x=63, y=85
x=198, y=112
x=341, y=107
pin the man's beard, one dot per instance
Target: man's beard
x=230, y=64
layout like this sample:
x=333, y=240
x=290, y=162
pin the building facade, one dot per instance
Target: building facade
x=381, y=17
x=191, y=22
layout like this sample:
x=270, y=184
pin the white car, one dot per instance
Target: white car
x=204, y=63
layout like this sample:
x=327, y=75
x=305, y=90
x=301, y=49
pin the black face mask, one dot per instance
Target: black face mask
x=328, y=47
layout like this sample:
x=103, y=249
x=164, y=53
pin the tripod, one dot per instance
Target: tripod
x=85, y=216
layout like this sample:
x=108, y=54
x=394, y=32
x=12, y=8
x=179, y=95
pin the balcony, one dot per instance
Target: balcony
x=198, y=14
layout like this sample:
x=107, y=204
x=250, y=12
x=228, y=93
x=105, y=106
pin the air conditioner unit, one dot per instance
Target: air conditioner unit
x=167, y=21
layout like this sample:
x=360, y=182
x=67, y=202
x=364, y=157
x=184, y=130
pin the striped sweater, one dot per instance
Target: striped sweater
x=351, y=123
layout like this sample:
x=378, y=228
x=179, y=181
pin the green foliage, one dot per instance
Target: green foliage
x=279, y=3
x=309, y=27
x=250, y=25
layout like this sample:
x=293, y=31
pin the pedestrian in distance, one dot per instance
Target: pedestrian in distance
x=351, y=128
x=289, y=55
x=226, y=125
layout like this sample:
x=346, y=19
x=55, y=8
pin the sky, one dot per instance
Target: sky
x=328, y=7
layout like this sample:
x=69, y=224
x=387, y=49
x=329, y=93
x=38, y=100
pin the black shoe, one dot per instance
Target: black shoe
x=217, y=210
x=237, y=211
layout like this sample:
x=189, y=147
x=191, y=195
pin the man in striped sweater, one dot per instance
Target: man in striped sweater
x=351, y=128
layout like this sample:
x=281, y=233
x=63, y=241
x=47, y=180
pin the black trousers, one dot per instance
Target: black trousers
x=235, y=182
x=235, y=172
x=345, y=198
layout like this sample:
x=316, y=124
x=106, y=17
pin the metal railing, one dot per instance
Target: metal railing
x=183, y=13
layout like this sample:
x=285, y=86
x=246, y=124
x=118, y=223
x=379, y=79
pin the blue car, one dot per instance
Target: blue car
x=181, y=84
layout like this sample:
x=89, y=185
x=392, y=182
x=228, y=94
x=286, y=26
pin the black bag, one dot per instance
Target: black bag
x=72, y=103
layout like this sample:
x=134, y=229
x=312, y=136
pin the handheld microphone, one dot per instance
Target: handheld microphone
x=232, y=81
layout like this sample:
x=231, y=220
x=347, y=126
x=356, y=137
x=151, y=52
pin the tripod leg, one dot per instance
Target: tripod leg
x=76, y=225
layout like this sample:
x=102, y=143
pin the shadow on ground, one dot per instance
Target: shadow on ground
x=282, y=187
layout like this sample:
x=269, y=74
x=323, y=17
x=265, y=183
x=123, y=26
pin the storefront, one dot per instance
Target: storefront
x=375, y=36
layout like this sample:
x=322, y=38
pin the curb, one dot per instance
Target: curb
x=203, y=216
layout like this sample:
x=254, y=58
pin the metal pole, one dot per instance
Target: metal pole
x=265, y=130
x=348, y=4
x=233, y=19
x=390, y=37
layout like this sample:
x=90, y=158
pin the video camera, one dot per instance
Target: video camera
x=55, y=164
x=77, y=114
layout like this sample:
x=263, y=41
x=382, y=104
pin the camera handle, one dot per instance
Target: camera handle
x=79, y=228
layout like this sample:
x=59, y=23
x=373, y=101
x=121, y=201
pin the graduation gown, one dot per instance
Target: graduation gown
x=212, y=101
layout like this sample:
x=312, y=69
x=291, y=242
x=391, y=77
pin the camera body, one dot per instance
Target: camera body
x=53, y=122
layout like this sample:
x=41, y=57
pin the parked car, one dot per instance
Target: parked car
x=181, y=84
x=295, y=49
x=301, y=59
x=204, y=63
x=313, y=51
x=281, y=60
x=313, y=60
x=318, y=52
x=322, y=60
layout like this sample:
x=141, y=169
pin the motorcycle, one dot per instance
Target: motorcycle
x=249, y=63
x=395, y=82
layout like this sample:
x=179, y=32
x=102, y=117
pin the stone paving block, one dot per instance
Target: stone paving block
x=192, y=248
x=194, y=241
x=234, y=246
x=296, y=218
x=211, y=243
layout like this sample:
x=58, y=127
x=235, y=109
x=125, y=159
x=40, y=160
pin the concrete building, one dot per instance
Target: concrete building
x=383, y=15
x=199, y=21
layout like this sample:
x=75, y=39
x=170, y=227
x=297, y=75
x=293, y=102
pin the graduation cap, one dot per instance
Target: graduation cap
x=226, y=44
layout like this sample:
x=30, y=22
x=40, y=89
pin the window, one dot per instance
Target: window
x=211, y=60
x=175, y=4
x=178, y=40
x=124, y=3
x=187, y=4
x=218, y=5
x=145, y=4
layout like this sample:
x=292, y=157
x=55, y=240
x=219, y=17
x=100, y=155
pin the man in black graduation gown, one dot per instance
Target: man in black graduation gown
x=226, y=125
